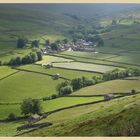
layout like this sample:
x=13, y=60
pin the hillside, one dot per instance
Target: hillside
x=69, y=70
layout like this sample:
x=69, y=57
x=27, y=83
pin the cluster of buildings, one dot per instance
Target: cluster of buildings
x=80, y=45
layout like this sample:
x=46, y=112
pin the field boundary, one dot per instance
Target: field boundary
x=102, y=60
x=39, y=73
x=9, y=75
x=79, y=70
x=92, y=62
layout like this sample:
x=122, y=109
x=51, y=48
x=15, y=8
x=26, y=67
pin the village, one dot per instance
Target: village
x=79, y=45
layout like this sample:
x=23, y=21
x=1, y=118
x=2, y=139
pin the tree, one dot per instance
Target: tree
x=30, y=106
x=133, y=91
x=18, y=60
x=27, y=59
x=36, y=106
x=39, y=55
x=76, y=83
x=63, y=84
x=65, y=41
x=34, y=56
x=47, y=42
x=21, y=43
x=114, y=22
x=54, y=47
x=74, y=40
x=66, y=90
x=35, y=43
x=100, y=42
x=12, y=117
x=26, y=106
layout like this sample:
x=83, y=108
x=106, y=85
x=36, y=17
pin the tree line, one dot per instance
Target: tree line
x=68, y=87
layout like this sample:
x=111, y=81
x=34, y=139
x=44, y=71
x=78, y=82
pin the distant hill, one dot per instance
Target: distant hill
x=34, y=20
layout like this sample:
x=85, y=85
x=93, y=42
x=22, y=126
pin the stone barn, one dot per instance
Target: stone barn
x=56, y=76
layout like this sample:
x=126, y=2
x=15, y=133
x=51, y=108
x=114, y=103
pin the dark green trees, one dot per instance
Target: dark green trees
x=30, y=106
x=35, y=43
x=21, y=43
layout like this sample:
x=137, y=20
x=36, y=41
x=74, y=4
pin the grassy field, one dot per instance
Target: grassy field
x=7, y=109
x=9, y=128
x=106, y=61
x=5, y=71
x=70, y=74
x=113, y=86
x=90, y=55
x=85, y=66
x=7, y=54
x=24, y=85
x=67, y=101
x=101, y=119
x=130, y=58
x=50, y=59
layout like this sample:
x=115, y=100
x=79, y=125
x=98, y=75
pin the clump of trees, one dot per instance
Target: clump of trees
x=31, y=106
x=117, y=74
x=35, y=43
x=21, y=42
x=27, y=59
x=11, y=117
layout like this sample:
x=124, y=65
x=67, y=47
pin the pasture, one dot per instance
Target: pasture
x=90, y=55
x=6, y=109
x=85, y=66
x=49, y=59
x=70, y=74
x=61, y=102
x=81, y=120
x=26, y=84
x=5, y=71
x=114, y=86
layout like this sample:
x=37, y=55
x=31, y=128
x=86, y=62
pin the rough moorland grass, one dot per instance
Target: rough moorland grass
x=9, y=128
x=73, y=122
x=5, y=71
x=113, y=86
x=54, y=104
x=25, y=84
x=70, y=74
x=49, y=59
x=85, y=66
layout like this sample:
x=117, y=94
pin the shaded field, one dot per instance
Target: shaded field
x=25, y=84
x=114, y=86
x=70, y=74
